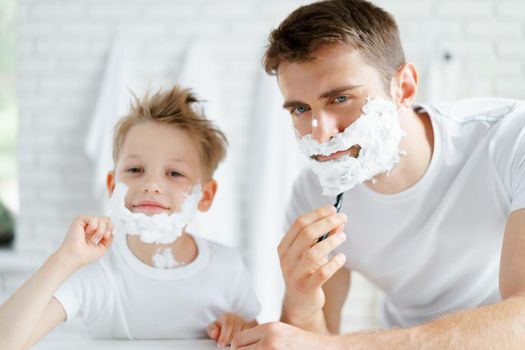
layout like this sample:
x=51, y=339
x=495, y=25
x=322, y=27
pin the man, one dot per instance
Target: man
x=433, y=195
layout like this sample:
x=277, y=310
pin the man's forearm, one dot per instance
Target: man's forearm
x=497, y=326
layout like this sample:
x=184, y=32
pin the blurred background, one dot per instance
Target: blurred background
x=66, y=67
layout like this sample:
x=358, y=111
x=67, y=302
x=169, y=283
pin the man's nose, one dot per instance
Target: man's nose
x=324, y=127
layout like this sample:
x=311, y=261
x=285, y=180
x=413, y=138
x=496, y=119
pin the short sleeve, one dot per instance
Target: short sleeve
x=245, y=302
x=517, y=183
x=508, y=148
x=83, y=294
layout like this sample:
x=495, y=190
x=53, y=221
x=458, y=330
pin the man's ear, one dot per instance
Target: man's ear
x=404, y=85
x=110, y=182
x=209, y=190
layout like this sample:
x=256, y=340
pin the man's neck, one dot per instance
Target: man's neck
x=183, y=249
x=418, y=145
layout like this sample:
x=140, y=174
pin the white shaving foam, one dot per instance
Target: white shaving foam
x=164, y=259
x=378, y=134
x=161, y=228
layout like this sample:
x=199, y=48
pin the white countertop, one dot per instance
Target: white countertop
x=125, y=344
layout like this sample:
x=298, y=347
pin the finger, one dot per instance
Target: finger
x=90, y=225
x=213, y=330
x=323, y=274
x=316, y=256
x=226, y=332
x=108, y=234
x=100, y=231
x=105, y=243
x=311, y=233
x=238, y=326
x=109, y=227
x=248, y=337
x=303, y=221
x=253, y=346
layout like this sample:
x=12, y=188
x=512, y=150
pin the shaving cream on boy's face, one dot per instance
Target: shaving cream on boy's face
x=376, y=133
x=161, y=228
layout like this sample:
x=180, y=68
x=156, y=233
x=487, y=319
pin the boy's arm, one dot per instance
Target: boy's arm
x=31, y=312
x=32, y=306
x=53, y=315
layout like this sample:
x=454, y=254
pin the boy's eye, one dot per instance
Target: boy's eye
x=134, y=170
x=174, y=173
x=340, y=99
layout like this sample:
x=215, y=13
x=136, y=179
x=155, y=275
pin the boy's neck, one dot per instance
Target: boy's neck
x=184, y=249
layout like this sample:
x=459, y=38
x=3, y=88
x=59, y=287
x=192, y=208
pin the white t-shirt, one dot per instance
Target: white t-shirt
x=435, y=247
x=120, y=297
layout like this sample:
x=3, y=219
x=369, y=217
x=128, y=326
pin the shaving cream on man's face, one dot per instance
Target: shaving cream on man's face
x=161, y=228
x=378, y=134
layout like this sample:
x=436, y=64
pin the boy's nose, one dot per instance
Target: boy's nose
x=151, y=185
x=151, y=188
x=324, y=127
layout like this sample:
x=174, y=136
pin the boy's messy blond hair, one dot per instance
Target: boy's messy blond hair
x=176, y=107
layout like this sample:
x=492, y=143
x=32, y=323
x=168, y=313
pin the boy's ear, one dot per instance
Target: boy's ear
x=209, y=190
x=110, y=182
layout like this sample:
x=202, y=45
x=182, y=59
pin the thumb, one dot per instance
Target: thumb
x=214, y=330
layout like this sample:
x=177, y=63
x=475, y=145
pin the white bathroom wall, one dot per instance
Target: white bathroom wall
x=63, y=46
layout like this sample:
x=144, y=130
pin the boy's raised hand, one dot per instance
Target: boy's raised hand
x=88, y=239
x=227, y=327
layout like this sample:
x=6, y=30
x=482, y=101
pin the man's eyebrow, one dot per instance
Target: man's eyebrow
x=338, y=90
x=329, y=93
x=290, y=104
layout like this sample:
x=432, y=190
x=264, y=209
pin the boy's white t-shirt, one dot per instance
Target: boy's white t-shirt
x=120, y=297
x=435, y=247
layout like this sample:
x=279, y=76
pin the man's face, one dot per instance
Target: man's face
x=328, y=92
x=158, y=163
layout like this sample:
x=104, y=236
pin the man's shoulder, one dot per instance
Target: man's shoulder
x=490, y=109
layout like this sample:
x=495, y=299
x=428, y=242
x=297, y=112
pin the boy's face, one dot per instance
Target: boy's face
x=331, y=89
x=159, y=163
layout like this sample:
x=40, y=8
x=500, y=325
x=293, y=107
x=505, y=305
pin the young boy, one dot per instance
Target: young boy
x=155, y=282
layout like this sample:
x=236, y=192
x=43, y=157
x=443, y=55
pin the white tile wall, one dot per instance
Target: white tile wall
x=63, y=44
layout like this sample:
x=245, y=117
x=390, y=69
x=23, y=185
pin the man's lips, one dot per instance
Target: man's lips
x=352, y=152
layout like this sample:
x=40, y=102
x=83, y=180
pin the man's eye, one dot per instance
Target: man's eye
x=341, y=99
x=134, y=170
x=300, y=110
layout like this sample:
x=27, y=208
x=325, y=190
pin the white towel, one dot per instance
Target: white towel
x=112, y=103
x=275, y=163
x=199, y=72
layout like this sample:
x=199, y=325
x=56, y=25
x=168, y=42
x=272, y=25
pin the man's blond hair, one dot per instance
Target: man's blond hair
x=180, y=108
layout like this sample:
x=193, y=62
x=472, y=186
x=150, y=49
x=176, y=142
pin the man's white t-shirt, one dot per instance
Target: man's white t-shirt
x=120, y=297
x=435, y=247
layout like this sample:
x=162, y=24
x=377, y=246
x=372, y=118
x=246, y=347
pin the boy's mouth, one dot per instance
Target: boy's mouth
x=148, y=206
